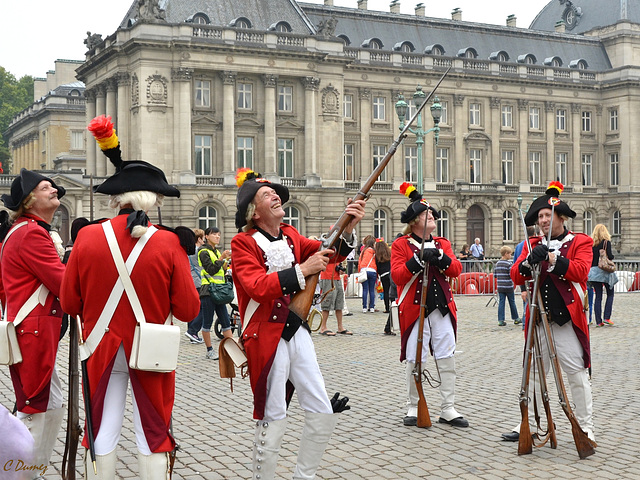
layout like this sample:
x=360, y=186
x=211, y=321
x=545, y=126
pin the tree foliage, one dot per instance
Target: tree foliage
x=15, y=96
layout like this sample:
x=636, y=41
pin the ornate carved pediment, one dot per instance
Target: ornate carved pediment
x=204, y=118
x=289, y=123
x=247, y=121
x=477, y=136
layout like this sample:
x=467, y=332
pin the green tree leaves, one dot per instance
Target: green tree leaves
x=15, y=96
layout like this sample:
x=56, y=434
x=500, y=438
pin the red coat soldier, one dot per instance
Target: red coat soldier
x=31, y=275
x=162, y=280
x=409, y=258
x=270, y=262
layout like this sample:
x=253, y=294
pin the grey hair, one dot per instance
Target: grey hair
x=251, y=208
x=139, y=200
x=408, y=227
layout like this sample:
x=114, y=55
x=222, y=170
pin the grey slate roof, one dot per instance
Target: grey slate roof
x=454, y=36
x=261, y=13
x=594, y=13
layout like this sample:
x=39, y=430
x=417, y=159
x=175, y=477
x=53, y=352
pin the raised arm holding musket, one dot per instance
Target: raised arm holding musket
x=411, y=254
x=564, y=259
x=271, y=262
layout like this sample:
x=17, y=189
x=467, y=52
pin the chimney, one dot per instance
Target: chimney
x=560, y=27
x=456, y=14
x=511, y=20
x=394, y=6
x=362, y=4
x=328, y=3
x=420, y=10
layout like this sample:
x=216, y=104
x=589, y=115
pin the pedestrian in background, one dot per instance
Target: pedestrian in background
x=367, y=262
x=502, y=274
x=598, y=278
x=194, y=326
x=383, y=267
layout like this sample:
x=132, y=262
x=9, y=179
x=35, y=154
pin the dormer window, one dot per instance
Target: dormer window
x=373, y=43
x=467, y=53
x=345, y=39
x=434, y=49
x=201, y=19
x=404, y=47
x=282, y=27
x=528, y=59
x=580, y=64
x=74, y=93
x=500, y=56
x=241, y=22
x=553, y=61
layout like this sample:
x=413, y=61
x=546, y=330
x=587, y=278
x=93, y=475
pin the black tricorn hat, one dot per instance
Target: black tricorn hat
x=417, y=205
x=130, y=176
x=549, y=198
x=249, y=182
x=23, y=185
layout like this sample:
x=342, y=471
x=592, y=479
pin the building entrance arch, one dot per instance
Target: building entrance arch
x=475, y=225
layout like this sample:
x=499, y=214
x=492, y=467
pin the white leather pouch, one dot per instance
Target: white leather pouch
x=395, y=317
x=155, y=347
x=9, y=349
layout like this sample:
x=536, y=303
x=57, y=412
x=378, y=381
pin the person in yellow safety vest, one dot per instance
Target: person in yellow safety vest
x=214, y=265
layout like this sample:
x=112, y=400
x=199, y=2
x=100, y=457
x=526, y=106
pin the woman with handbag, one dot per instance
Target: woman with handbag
x=367, y=263
x=214, y=265
x=599, y=277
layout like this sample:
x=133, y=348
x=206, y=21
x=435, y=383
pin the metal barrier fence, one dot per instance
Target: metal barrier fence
x=477, y=277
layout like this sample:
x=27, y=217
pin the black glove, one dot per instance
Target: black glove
x=339, y=404
x=444, y=262
x=430, y=255
x=539, y=254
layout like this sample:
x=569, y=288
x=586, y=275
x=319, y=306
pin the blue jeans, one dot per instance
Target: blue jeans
x=369, y=290
x=512, y=305
x=194, y=326
x=597, y=306
x=208, y=309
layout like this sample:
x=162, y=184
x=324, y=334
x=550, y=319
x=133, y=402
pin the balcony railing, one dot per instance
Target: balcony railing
x=209, y=181
x=293, y=182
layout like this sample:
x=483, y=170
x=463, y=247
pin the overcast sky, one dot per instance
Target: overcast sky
x=34, y=33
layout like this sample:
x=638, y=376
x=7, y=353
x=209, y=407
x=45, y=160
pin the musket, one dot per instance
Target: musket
x=301, y=301
x=86, y=391
x=73, y=415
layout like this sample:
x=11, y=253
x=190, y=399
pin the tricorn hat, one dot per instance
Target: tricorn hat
x=249, y=182
x=22, y=186
x=130, y=176
x=549, y=198
x=417, y=205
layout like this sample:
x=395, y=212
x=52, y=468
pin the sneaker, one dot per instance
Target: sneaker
x=211, y=355
x=502, y=324
x=607, y=322
x=599, y=324
x=517, y=321
x=193, y=338
x=373, y=310
x=364, y=310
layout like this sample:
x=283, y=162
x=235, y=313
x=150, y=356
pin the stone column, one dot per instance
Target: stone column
x=270, y=149
x=600, y=164
x=101, y=160
x=549, y=108
x=460, y=123
x=576, y=173
x=523, y=134
x=181, y=78
x=228, y=126
x=494, y=132
x=91, y=142
x=366, y=157
x=123, y=81
x=112, y=110
x=311, y=85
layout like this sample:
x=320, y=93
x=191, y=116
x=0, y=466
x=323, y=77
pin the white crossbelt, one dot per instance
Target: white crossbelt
x=102, y=325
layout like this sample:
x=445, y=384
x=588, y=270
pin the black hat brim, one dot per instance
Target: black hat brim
x=23, y=185
x=135, y=176
x=541, y=203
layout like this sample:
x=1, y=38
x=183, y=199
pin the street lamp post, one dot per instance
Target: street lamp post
x=436, y=112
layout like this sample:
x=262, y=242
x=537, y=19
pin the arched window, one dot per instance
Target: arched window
x=372, y=43
x=207, y=217
x=345, y=39
x=281, y=27
x=201, y=19
x=528, y=59
x=443, y=224
x=587, y=222
x=404, y=47
x=292, y=217
x=507, y=226
x=240, y=22
x=580, y=64
x=468, y=53
x=553, y=61
x=616, y=223
x=380, y=224
x=74, y=93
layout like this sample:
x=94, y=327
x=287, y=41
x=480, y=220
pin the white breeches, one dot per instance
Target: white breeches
x=113, y=411
x=439, y=332
x=567, y=345
x=296, y=361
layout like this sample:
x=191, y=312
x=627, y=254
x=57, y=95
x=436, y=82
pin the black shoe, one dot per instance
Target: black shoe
x=389, y=333
x=511, y=437
x=410, y=421
x=347, y=314
x=456, y=422
x=517, y=321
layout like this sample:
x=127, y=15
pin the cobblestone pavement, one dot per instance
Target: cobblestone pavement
x=215, y=428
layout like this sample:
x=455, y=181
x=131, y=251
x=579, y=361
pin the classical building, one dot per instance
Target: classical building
x=306, y=93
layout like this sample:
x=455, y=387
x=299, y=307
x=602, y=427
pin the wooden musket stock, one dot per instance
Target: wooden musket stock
x=301, y=301
x=424, y=420
x=73, y=416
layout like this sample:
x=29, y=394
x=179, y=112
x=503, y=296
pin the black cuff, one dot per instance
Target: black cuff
x=524, y=270
x=444, y=262
x=288, y=281
x=562, y=265
x=414, y=265
x=345, y=249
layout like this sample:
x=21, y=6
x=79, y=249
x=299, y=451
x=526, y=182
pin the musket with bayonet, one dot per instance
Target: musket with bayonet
x=301, y=302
